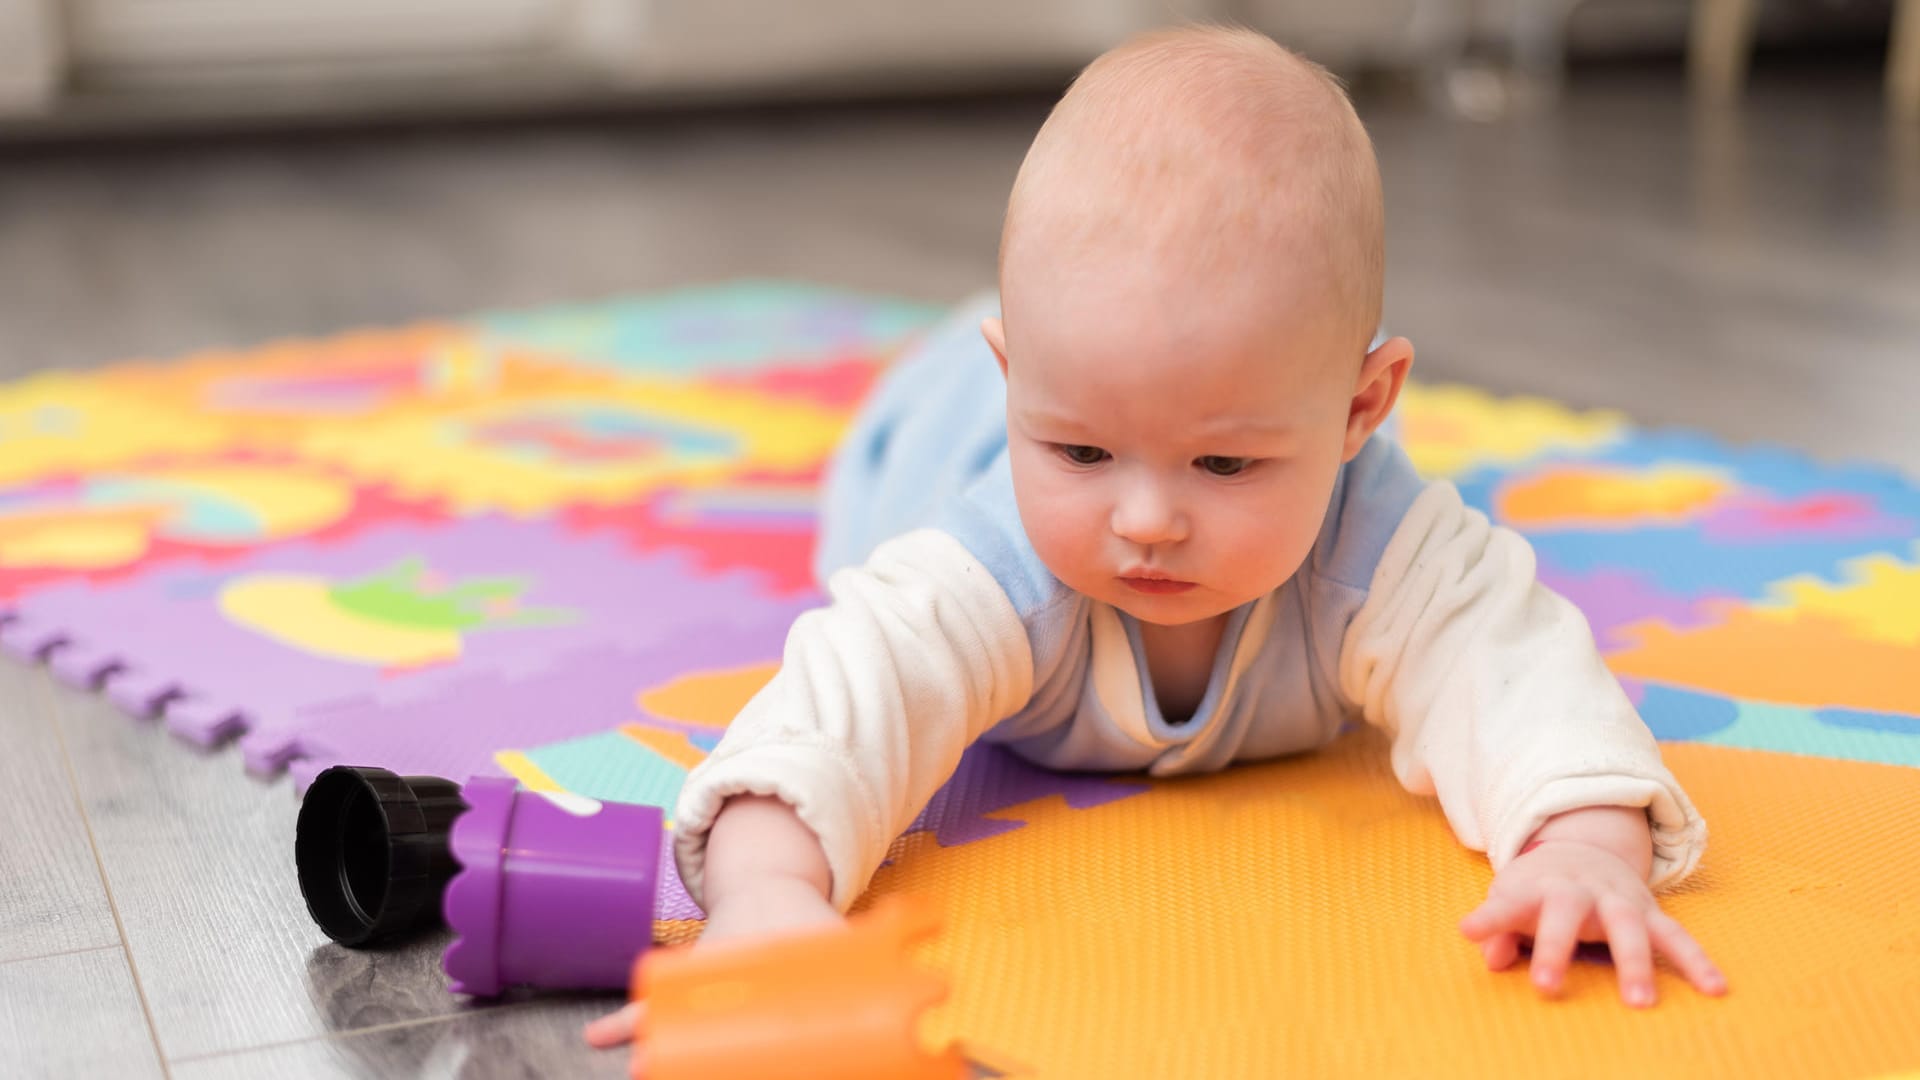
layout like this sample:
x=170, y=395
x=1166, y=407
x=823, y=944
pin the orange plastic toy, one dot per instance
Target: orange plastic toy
x=839, y=1004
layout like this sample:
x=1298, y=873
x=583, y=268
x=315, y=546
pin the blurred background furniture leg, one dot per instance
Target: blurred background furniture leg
x=1903, y=61
x=1718, y=47
x=1539, y=42
x=1722, y=42
x=32, y=55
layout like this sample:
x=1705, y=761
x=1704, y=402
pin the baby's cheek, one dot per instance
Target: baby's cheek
x=1270, y=548
x=1054, y=522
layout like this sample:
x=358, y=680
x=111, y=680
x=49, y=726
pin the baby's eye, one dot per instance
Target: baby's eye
x=1082, y=455
x=1224, y=466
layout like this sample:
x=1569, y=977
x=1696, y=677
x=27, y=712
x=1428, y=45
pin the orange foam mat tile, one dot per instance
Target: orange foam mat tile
x=1299, y=918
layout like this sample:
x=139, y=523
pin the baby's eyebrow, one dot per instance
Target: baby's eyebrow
x=1236, y=426
x=1058, y=423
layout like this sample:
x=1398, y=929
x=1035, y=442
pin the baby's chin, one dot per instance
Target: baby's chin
x=1174, y=611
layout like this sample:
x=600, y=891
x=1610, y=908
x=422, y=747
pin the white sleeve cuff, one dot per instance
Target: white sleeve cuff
x=826, y=793
x=1679, y=833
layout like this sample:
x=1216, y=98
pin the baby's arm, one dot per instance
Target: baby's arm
x=1494, y=694
x=1499, y=704
x=766, y=871
x=877, y=696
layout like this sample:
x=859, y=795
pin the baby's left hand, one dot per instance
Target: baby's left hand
x=1566, y=891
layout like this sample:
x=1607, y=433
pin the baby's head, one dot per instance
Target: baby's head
x=1190, y=275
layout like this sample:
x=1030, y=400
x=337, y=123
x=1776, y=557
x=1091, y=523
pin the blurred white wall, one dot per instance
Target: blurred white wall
x=108, y=63
x=124, y=61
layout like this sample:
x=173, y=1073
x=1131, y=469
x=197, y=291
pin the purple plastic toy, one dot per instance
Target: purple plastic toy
x=554, y=891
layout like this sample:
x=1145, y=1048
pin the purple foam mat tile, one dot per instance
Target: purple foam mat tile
x=991, y=779
x=79, y=666
x=264, y=642
x=458, y=732
x=270, y=753
x=140, y=693
x=30, y=639
x=202, y=722
x=302, y=770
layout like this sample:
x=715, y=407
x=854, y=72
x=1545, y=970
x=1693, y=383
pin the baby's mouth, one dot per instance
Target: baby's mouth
x=1154, y=584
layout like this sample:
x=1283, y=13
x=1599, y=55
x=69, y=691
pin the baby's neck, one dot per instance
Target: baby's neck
x=1180, y=661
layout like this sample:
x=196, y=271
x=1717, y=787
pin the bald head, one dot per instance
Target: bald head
x=1211, y=155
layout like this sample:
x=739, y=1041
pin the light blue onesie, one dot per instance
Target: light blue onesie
x=930, y=450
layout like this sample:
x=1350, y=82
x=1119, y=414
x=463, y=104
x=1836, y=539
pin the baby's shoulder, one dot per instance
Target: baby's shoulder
x=1371, y=497
x=985, y=518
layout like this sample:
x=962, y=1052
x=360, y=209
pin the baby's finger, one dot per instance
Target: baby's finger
x=1556, y=937
x=1501, y=950
x=615, y=1028
x=1498, y=914
x=1626, y=927
x=1672, y=939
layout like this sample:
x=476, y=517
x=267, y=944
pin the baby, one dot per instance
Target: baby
x=1171, y=539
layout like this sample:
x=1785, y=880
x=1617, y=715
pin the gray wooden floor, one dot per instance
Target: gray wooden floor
x=1754, y=274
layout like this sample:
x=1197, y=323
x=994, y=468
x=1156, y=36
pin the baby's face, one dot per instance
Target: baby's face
x=1171, y=457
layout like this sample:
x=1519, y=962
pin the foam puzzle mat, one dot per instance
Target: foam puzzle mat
x=565, y=546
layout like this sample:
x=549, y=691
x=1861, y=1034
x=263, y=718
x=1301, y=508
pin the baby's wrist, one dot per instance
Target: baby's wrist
x=767, y=905
x=1622, y=831
x=756, y=895
x=758, y=844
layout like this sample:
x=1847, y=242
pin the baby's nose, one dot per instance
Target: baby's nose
x=1145, y=516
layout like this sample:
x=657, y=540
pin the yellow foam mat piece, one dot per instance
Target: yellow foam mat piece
x=1298, y=918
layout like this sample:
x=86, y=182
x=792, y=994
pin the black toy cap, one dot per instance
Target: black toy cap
x=371, y=848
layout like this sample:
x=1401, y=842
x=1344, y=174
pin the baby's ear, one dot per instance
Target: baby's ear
x=1382, y=374
x=995, y=332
